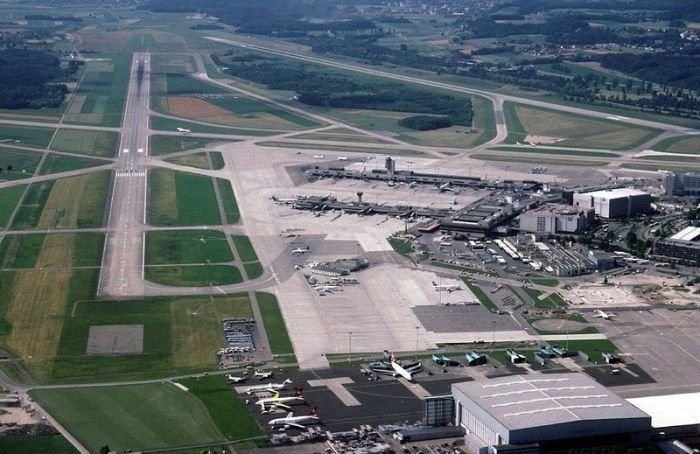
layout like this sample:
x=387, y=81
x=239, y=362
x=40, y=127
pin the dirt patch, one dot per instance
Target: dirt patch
x=63, y=204
x=115, y=340
x=559, y=325
x=189, y=107
x=542, y=140
x=77, y=105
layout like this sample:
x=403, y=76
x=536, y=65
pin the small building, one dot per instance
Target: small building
x=601, y=259
x=554, y=410
x=552, y=219
x=515, y=357
x=614, y=203
x=475, y=359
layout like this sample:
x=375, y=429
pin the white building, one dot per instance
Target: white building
x=614, y=203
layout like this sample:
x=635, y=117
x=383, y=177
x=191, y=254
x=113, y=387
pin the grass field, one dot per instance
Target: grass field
x=37, y=444
x=186, y=246
x=546, y=281
x=21, y=251
x=217, y=160
x=228, y=200
x=484, y=120
x=38, y=137
x=32, y=205
x=140, y=416
x=18, y=164
x=552, y=301
x=481, y=295
x=161, y=145
x=76, y=202
x=538, y=160
x=558, y=151
x=170, y=124
x=229, y=414
x=680, y=144
x=400, y=246
x=244, y=248
x=55, y=163
x=270, y=116
x=575, y=130
x=178, y=198
x=253, y=270
x=93, y=143
x=197, y=160
x=9, y=198
x=181, y=335
x=349, y=149
x=276, y=330
x=194, y=276
x=181, y=84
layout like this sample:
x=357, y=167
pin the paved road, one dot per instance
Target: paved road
x=122, y=261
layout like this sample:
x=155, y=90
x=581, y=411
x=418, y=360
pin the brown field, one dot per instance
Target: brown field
x=69, y=199
x=198, y=160
x=189, y=107
x=38, y=304
x=76, y=104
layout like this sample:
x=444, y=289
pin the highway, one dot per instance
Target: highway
x=122, y=260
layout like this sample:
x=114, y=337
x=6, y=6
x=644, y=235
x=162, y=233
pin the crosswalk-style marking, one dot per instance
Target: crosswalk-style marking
x=131, y=173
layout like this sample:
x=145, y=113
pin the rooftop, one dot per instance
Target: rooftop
x=520, y=402
x=616, y=193
x=687, y=234
x=671, y=410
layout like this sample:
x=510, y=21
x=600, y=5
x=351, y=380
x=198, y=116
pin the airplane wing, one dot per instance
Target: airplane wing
x=292, y=424
x=281, y=405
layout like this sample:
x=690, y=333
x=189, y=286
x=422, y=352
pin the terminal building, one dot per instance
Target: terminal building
x=614, y=203
x=529, y=413
x=552, y=219
x=681, y=184
x=684, y=245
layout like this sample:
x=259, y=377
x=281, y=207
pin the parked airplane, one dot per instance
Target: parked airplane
x=234, y=379
x=319, y=156
x=183, y=130
x=445, y=187
x=400, y=370
x=327, y=288
x=268, y=403
x=445, y=287
x=271, y=387
x=301, y=251
x=296, y=421
x=343, y=158
x=263, y=374
x=604, y=315
x=412, y=184
x=284, y=201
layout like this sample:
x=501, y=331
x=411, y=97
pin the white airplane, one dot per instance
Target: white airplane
x=319, y=156
x=263, y=374
x=604, y=315
x=343, y=158
x=301, y=250
x=296, y=421
x=270, y=387
x=183, y=130
x=327, y=288
x=234, y=379
x=400, y=370
x=284, y=201
x=445, y=187
x=412, y=184
x=445, y=287
x=268, y=403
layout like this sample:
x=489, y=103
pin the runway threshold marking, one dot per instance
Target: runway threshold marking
x=335, y=385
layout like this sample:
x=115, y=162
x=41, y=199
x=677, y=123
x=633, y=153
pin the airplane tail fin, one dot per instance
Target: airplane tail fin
x=298, y=391
x=313, y=411
x=290, y=414
x=287, y=381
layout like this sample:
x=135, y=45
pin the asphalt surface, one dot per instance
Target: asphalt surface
x=122, y=261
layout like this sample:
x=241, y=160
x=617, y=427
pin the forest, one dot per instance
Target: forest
x=26, y=78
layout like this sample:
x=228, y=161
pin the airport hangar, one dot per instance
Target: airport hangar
x=524, y=413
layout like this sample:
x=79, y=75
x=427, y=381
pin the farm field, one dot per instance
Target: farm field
x=93, y=143
x=568, y=130
x=55, y=163
x=182, y=199
x=140, y=416
x=180, y=335
x=75, y=202
x=24, y=135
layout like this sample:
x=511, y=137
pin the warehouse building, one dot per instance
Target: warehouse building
x=550, y=411
x=684, y=245
x=681, y=184
x=552, y=219
x=614, y=203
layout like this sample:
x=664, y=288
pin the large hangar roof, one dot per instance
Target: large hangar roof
x=687, y=234
x=671, y=410
x=520, y=402
x=615, y=193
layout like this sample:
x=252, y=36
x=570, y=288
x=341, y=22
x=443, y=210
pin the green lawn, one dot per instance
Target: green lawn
x=274, y=324
x=228, y=200
x=161, y=145
x=182, y=199
x=467, y=269
x=240, y=105
x=481, y=295
x=32, y=205
x=244, y=248
x=21, y=251
x=55, y=163
x=546, y=281
x=253, y=269
x=93, y=143
x=402, y=247
x=38, y=137
x=186, y=246
x=18, y=164
x=229, y=414
x=9, y=198
x=171, y=124
x=552, y=301
x=139, y=416
x=557, y=152
x=181, y=84
x=37, y=444
x=194, y=276
x=217, y=160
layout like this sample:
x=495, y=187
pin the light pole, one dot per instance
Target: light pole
x=494, y=331
x=349, y=347
x=417, y=332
